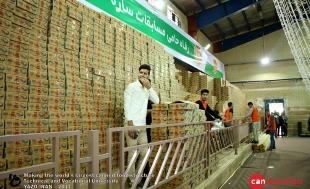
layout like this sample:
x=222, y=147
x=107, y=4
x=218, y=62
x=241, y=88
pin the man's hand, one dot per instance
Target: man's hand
x=131, y=133
x=146, y=83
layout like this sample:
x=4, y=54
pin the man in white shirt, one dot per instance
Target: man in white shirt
x=136, y=98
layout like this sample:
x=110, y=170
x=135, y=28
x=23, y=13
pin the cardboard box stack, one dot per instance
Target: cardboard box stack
x=65, y=67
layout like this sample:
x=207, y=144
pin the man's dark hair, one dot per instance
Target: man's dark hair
x=145, y=66
x=267, y=110
x=250, y=103
x=229, y=104
x=204, y=91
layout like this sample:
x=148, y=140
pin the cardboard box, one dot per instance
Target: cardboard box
x=70, y=100
x=7, y=5
x=40, y=141
x=57, y=115
x=38, y=90
x=18, y=162
x=4, y=41
x=14, y=152
x=38, y=150
x=26, y=6
x=4, y=50
x=5, y=32
x=6, y=14
x=57, y=122
x=36, y=59
x=16, y=123
x=18, y=47
x=57, y=92
x=37, y=82
x=12, y=53
x=38, y=123
x=5, y=23
x=38, y=130
x=38, y=98
x=56, y=100
x=14, y=96
x=15, y=62
x=36, y=115
x=13, y=105
x=58, y=76
x=16, y=88
x=13, y=70
x=60, y=23
x=55, y=56
x=21, y=13
x=19, y=38
x=32, y=106
x=56, y=84
x=42, y=158
x=38, y=74
x=20, y=30
x=56, y=49
x=54, y=70
x=72, y=74
x=37, y=52
x=56, y=107
x=16, y=131
x=9, y=114
x=160, y=106
x=16, y=79
x=56, y=41
x=72, y=108
x=72, y=115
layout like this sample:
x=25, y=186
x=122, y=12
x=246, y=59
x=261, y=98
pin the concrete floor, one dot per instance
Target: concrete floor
x=291, y=160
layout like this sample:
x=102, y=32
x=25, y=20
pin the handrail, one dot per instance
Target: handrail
x=175, y=156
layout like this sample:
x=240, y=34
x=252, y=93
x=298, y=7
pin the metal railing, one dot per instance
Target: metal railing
x=175, y=156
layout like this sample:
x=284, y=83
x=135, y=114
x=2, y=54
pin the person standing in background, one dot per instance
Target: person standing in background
x=253, y=113
x=284, y=116
x=229, y=113
x=136, y=98
x=271, y=126
x=203, y=105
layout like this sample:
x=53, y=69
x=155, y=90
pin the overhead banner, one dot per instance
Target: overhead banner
x=141, y=16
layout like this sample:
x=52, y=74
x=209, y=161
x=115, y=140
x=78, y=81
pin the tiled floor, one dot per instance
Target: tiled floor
x=291, y=160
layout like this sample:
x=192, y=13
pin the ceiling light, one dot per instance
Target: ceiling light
x=265, y=60
x=159, y=4
x=208, y=46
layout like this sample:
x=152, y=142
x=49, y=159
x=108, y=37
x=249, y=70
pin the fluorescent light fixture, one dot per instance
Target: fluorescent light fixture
x=265, y=60
x=159, y=4
x=207, y=47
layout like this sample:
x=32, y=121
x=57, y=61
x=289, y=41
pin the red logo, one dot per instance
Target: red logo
x=257, y=181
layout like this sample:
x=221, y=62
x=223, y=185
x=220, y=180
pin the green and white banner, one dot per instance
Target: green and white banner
x=141, y=16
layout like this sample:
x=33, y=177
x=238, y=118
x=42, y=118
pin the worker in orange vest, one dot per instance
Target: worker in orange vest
x=229, y=113
x=253, y=113
x=272, y=127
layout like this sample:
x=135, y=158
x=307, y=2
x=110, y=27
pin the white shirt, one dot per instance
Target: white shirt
x=135, y=102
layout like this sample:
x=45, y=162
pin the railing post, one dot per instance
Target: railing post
x=208, y=147
x=93, y=151
x=55, y=160
x=236, y=133
x=109, y=164
x=76, y=160
x=122, y=161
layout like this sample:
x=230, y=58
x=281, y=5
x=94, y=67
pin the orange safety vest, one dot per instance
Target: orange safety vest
x=227, y=115
x=255, y=115
x=274, y=125
x=204, y=103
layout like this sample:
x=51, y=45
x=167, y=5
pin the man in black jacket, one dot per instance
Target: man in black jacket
x=203, y=105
